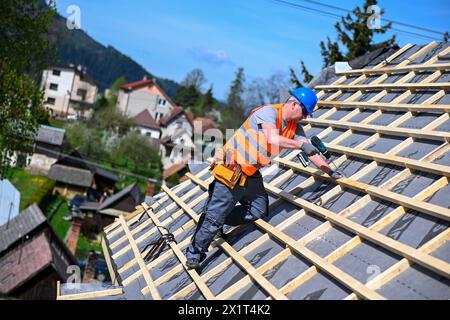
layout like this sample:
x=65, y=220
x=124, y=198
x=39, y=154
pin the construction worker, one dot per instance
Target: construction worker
x=266, y=131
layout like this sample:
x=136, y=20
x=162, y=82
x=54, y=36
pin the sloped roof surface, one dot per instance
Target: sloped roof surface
x=145, y=119
x=28, y=220
x=23, y=262
x=132, y=189
x=50, y=135
x=71, y=175
x=381, y=233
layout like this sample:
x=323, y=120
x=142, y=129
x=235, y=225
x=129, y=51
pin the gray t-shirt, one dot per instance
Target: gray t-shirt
x=268, y=115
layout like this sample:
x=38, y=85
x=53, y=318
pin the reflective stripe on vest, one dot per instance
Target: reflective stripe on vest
x=250, y=148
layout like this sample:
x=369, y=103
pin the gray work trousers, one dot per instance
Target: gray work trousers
x=221, y=209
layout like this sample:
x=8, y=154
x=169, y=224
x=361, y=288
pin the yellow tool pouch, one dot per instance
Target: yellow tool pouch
x=226, y=176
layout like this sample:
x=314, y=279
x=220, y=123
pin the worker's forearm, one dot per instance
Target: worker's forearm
x=287, y=143
x=320, y=162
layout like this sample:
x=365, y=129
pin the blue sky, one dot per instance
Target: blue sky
x=171, y=37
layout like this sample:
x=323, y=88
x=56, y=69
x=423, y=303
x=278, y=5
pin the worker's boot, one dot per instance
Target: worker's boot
x=192, y=263
x=221, y=235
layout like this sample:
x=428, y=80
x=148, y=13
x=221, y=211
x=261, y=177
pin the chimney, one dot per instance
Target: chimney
x=150, y=189
x=145, y=77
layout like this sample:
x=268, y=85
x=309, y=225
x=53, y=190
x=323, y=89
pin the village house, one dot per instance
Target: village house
x=69, y=90
x=32, y=257
x=145, y=94
x=49, y=143
x=100, y=214
x=74, y=174
x=147, y=125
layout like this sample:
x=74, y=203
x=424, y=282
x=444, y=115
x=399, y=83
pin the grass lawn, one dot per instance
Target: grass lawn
x=85, y=245
x=56, y=220
x=28, y=185
x=58, y=123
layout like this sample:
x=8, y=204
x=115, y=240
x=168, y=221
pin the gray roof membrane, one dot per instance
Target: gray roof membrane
x=367, y=95
x=393, y=78
x=315, y=130
x=356, y=138
x=372, y=212
x=345, y=95
x=441, y=197
x=420, y=120
x=444, y=77
x=339, y=114
x=333, y=134
x=419, y=149
x=443, y=159
x=362, y=115
x=386, y=117
x=320, y=111
x=326, y=243
x=444, y=100
x=370, y=79
x=303, y=225
x=320, y=287
x=414, y=228
x=419, y=96
x=419, y=77
x=414, y=184
x=417, y=283
x=431, y=53
x=443, y=252
x=350, y=79
x=365, y=260
x=391, y=95
x=328, y=94
x=445, y=126
x=381, y=174
x=405, y=54
x=287, y=270
x=385, y=143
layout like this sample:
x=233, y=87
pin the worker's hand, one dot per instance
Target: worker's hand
x=336, y=174
x=308, y=148
x=228, y=160
x=218, y=156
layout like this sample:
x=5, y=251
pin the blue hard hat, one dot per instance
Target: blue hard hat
x=307, y=98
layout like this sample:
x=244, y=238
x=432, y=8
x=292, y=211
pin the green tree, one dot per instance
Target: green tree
x=187, y=96
x=330, y=52
x=24, y=53
x=114, y=90
x=195, y=78
x=355, y=35
x=307, y=76
x=204, y=104
x=233, y=115
x=144, y=157
x=112, y=120
x=87, y=139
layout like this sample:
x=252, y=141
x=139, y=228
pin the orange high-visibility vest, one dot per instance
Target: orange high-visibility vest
x=249, y=148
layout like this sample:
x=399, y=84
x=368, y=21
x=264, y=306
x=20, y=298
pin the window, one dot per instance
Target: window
x=179, y=124
x=56, y=72
x=148, y=133
x=82, y=93
x=162, y=102
x=51, y=101
x=53, y=86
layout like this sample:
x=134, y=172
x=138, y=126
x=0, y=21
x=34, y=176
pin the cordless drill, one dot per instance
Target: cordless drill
x=316, y=142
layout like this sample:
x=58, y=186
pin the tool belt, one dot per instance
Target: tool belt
x=228, y=177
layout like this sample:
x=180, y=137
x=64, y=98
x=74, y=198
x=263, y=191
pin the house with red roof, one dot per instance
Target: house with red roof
x=145, y=94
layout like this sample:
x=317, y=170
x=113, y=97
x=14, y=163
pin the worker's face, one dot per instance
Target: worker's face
x=297, y=111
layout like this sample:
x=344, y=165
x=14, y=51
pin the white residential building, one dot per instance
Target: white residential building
x=143, y=95
x=69, y=90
